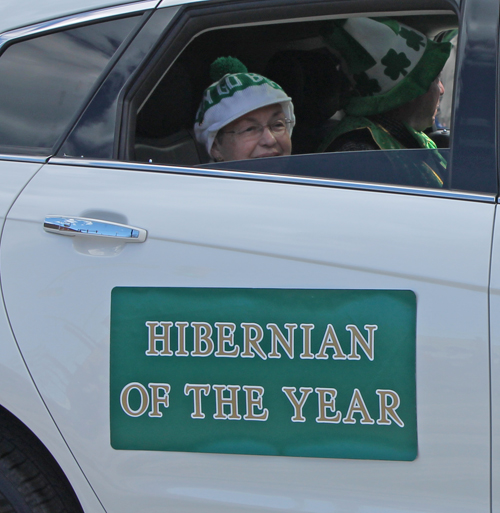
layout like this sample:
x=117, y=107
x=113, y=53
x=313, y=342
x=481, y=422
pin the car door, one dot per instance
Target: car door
x=201, y=234
x=209, y=233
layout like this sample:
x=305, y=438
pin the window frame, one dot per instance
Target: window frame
x=40, y=30
x=193, y=19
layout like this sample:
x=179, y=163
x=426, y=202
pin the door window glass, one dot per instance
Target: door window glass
x=342, y=89
x=45, y=80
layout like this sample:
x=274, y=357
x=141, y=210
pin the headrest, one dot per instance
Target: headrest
x=312, y=80
x=168, y=109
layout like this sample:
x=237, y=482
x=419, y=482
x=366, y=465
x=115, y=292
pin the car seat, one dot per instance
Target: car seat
x=164, y=126
x=317, y=88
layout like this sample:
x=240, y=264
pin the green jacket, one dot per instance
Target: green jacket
x=425, y=172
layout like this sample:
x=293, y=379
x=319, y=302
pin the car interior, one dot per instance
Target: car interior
x=292, y=54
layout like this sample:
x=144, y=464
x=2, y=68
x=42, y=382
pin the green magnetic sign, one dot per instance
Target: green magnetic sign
x=283, y=372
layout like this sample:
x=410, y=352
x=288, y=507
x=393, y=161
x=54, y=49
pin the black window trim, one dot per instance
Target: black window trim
x=194, y=18
x=144, y=7
x=198, y=17
x=122, y=68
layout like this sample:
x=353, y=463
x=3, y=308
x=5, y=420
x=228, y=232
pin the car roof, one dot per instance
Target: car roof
x=21, y=13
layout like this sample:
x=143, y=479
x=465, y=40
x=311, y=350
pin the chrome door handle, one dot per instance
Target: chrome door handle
x=71, y=226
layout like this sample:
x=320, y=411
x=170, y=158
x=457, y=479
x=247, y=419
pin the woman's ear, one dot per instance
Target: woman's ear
x=215, y=152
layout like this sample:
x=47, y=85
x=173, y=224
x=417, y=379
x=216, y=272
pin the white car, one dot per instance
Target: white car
x=306, y=333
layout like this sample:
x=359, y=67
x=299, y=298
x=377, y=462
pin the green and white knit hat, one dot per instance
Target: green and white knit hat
x=391, y=63
x=235, y=92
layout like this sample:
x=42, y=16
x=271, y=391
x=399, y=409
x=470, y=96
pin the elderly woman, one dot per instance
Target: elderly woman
x=243, y=115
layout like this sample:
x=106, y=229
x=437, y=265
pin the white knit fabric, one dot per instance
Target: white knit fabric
x=228, y=99
x=377, y=39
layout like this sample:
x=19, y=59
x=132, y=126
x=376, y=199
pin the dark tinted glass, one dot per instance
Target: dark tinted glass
x=45, y=80
x=94, y=134
x=414, y=168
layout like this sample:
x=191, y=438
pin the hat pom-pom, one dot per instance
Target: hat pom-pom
x=224, y=65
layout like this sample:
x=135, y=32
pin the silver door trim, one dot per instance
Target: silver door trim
x=297, y=180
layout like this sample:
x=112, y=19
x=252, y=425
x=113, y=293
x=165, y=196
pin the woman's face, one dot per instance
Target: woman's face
x=263, y=132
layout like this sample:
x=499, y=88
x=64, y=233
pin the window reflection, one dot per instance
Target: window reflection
x=44, y=81
x=391, y=167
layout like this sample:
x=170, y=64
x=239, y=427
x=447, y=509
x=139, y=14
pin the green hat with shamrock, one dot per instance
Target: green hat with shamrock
x=390, y=63
x=235, y=92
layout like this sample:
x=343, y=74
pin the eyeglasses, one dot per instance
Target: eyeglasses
x=255, y=131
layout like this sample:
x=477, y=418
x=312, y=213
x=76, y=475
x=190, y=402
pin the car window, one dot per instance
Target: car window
x=143, y=113
x=296, y=56
x=45, y=80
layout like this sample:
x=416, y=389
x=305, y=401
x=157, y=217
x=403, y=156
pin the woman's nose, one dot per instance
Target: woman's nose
x=267, y=136
x=441, y=88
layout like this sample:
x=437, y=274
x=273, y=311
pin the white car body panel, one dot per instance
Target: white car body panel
x=218, y=232
x=14, y=177
x=19, y=394
x=15, y=14
x=20, y=397
x=495, y=366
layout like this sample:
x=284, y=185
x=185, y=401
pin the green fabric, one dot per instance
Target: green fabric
x=415, y=83
x=224, y=66
x=227, y=86
x=423, y=139
x=355, y=55
x=450, y=35
x=382, y=138
x=425, y=173
x=406, y=64
x=393, y=24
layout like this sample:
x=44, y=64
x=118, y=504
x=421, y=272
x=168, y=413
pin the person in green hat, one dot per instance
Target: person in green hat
x=243, y=115
x=396, y=90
